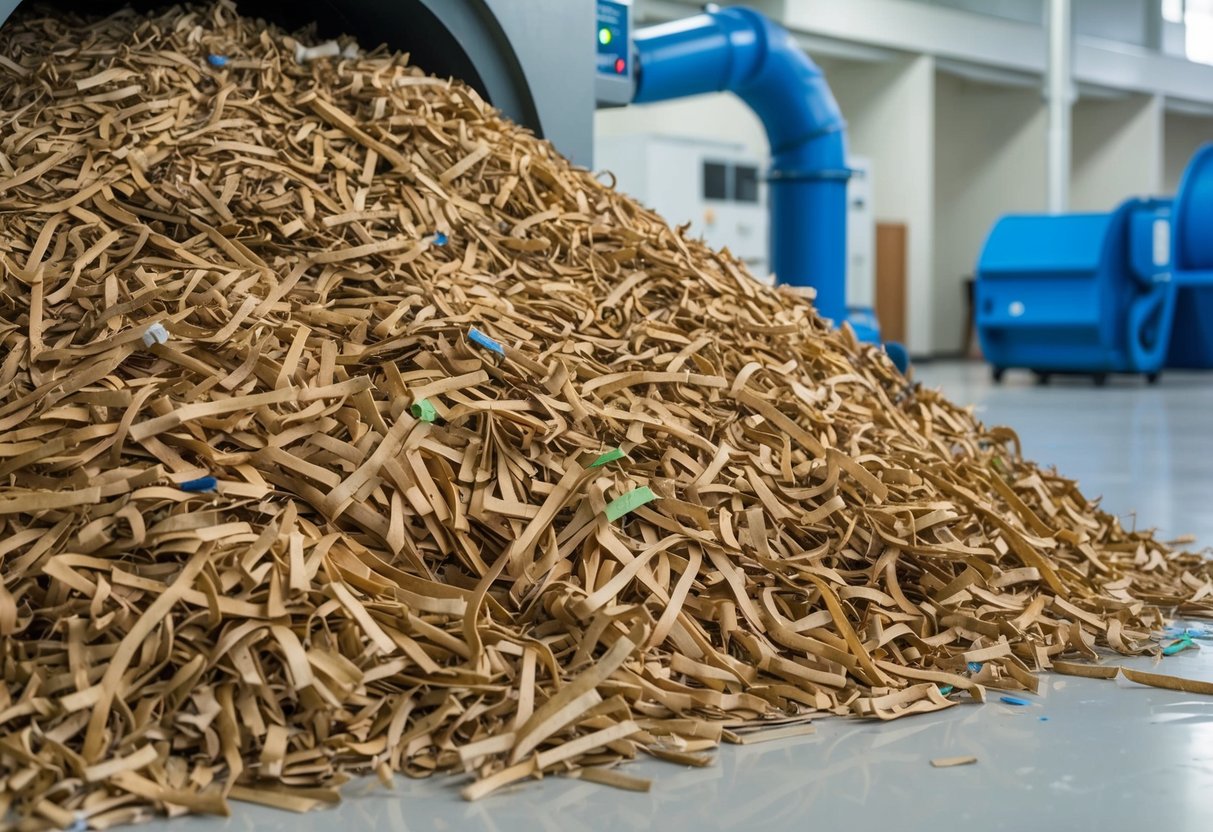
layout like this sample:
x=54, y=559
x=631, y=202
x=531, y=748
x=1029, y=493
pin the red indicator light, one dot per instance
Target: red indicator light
x=620, y=66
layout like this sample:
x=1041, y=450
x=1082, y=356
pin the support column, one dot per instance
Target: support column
x=1059, y=92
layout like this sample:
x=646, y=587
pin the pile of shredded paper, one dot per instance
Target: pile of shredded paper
x=345, y=427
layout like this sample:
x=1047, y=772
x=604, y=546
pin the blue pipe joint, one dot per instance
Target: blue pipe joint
x=1150, y=319
x=740, y=51
x=864, y=324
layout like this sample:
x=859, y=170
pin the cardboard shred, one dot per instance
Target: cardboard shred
x=366, y=591
x=950, y=762
x=1141, y=677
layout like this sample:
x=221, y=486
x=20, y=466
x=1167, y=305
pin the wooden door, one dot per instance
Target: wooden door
x=891, y=280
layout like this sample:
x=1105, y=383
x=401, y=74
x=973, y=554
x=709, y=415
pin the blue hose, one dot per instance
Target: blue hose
x=1150, y=321
x=741, y=51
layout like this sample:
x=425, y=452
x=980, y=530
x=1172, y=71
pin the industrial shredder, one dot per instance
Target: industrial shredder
x=546, y=65
x=516, y=53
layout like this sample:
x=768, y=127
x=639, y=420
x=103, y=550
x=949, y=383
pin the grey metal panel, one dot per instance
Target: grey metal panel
x=493, y=57
x=554, y=43
x=6, y=8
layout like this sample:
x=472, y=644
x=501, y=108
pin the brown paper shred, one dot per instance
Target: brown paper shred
x=611, y=777
x=949, y=762
x=368, y=591
x=1141, y=677
x=1159, y=680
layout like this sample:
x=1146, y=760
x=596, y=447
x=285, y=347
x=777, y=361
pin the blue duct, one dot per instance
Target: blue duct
x=743, y=52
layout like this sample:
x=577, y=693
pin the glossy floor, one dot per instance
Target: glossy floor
x=1084, y=755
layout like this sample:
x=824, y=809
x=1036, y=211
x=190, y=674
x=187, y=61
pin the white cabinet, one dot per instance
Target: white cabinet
x=714, y=186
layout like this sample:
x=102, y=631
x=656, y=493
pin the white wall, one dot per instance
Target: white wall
x=888, y=107
x=990, y=41
x=1117, y=151
x=989, y=161
x=720, y=117
x=1124, y=21
x=1028, y=11
x=1183, y=134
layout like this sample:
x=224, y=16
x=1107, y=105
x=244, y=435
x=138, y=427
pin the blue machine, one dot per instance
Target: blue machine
x=1082, y=293
x=1102, y=293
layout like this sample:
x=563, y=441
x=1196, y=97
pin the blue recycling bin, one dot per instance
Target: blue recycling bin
x=1078, y=293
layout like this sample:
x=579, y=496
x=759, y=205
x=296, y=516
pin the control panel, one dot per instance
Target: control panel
x=614, y=73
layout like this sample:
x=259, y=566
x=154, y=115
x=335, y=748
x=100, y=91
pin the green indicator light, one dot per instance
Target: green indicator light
x=605, y=36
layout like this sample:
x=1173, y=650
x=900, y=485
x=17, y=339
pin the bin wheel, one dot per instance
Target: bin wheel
x=1152, y=378
x=1101, y=379
x=996, y=373
x=1041, y=378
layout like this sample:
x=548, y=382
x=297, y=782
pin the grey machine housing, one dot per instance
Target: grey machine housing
x=532, y=59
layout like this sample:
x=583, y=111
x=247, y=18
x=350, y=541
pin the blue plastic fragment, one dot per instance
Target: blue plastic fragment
x=1044, y=719
x=439, y=238
x=485, y=341
x=217, y=61
x=1014, y=700
x=974, y=667
x=200, y=484
x=945, y=689
x=1176, y=646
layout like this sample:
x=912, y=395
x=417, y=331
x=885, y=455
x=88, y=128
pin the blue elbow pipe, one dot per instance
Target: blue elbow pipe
x=741, y=51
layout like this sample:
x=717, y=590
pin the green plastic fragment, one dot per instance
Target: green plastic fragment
x=423, y=410
x=631, y=501
x=997, y=463
x=609, y=456
x=1176, y=646
x=945, y=689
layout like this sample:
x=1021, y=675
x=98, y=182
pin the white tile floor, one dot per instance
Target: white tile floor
x=1085, y=755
